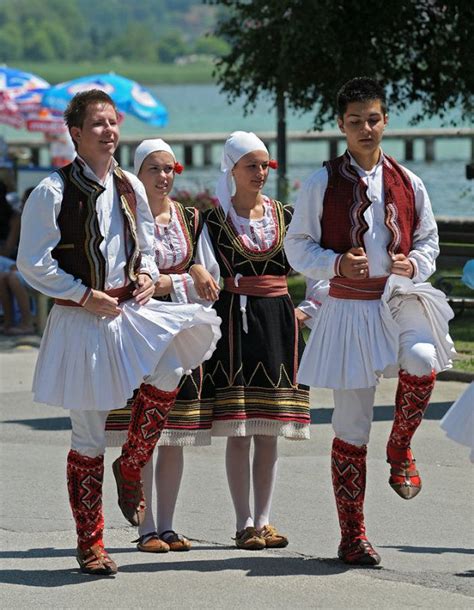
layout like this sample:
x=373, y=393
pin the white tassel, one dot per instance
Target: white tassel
x=243, y=305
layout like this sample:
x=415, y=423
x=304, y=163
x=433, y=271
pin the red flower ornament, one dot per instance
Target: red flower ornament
x=273, y=163
x=178, y=168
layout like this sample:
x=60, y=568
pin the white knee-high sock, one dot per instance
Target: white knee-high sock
x=168, y=475
x=148, y=524
x=264, y=469
x=237, y=462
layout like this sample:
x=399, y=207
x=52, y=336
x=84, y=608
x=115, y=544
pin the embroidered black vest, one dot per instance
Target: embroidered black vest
x=78, y=251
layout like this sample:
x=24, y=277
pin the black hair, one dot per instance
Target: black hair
x=360, y=89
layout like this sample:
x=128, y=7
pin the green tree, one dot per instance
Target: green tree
x=301, y=51
x=211, y=45
x=171, y=46
x=137, y=42
x=11, y=43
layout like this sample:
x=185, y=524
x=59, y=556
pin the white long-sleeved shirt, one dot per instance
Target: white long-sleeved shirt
x=40, y=234
x=303, y=239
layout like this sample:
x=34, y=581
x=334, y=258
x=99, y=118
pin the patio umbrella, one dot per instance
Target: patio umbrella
x=15, y=81
x=16, y=85
x=129, y=96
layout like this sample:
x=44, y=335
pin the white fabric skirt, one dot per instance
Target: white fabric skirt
x=95, y=363
x=458, y=423
x=354, y=342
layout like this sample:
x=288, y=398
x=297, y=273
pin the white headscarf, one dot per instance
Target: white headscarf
x=237, y=145
x=147, y=147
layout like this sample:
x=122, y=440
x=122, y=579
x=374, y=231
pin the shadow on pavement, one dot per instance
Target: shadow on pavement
x=252, y=566
x=435, y=411
x=433, y=550
x=44, y=423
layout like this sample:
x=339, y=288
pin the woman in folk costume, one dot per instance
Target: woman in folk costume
x=251, y=383
x=177, y=246
x=87, y=242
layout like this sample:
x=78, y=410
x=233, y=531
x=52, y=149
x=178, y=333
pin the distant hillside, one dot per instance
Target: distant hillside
x=88, y=30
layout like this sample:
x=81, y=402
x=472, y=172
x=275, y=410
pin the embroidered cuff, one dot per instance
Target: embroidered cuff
x=337, y=265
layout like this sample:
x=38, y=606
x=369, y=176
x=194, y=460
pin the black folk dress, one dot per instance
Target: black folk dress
x=250, y=381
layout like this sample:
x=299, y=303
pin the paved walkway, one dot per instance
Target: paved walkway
x=426, y=544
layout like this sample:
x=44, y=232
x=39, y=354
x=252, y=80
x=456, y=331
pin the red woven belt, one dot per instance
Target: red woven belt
x=258, y=285
x=122, y=294
x=368, y=289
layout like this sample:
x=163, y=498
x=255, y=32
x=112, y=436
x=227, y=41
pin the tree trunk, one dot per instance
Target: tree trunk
x=282, y=182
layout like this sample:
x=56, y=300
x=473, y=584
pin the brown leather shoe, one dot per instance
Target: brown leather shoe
x=249, y=539
x=358, y=552
x=96, y=561
x=130, y=496
x=151, y=543
x=273, y=540
x=176, y=542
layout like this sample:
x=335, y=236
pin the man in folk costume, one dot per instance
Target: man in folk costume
x=365, y=223
x=87, y=241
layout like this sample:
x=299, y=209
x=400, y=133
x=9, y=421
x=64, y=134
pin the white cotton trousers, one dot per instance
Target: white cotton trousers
x=353, y=409
x=88, y=426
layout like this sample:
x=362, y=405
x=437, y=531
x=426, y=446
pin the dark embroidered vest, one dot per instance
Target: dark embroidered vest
x=233, y=256
x=345, y=201
x=78, y=251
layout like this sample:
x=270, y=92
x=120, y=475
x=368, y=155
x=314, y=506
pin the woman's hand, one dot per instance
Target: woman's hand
x=163, y=286
x=206, y=286
x=301, y=317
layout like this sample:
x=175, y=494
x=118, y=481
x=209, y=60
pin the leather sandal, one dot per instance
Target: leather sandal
x=358, y=552
x=96, y=561
x=130, y=496
x=175, y=542
x=273, y=540
x=249, y=539
x=151, y=543
x=404, y=478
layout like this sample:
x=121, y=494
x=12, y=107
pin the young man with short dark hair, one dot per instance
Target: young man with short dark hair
x=365, y=223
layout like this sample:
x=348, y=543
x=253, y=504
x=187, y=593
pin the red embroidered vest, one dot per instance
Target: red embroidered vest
x=78, y=251
x=345, y=201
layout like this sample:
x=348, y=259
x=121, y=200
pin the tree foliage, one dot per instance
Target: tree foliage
x=421, y=49
x=88, y=30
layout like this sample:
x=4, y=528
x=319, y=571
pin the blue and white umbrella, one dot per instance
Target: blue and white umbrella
x=15, y=82
x=129, y=96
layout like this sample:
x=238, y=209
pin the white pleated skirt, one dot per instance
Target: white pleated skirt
x=95, y=363
x=354, y=342
x=458, y=423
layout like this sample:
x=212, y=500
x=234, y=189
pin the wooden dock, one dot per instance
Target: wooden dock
x=204, y=142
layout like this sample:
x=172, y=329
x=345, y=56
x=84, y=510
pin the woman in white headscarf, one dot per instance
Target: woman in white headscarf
x=179, y=248
x=250, y=382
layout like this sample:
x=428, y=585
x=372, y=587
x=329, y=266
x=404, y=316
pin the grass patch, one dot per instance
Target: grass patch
x=144, y=73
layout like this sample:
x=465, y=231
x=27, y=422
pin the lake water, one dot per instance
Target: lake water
x=202, y=108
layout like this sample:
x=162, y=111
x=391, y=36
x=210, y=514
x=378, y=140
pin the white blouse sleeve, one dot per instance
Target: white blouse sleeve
x=183, y=285
x=425, y=239
x=302, y=242
x=39, y=236
x=316, y=292
x=145, y=230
